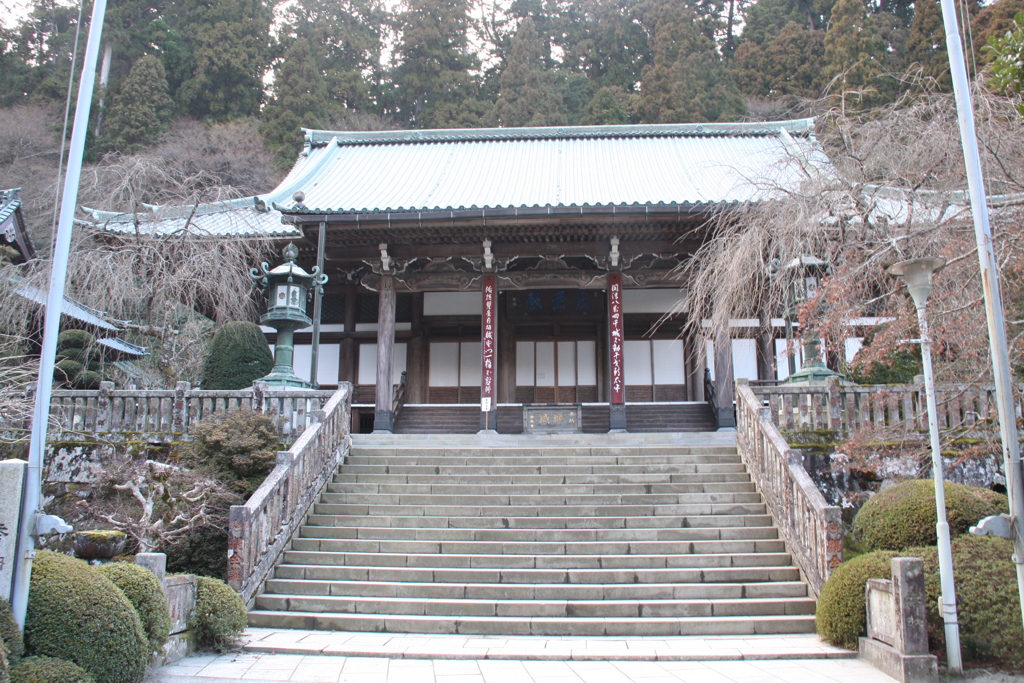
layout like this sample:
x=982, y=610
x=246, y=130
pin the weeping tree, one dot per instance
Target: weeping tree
x=892, y=188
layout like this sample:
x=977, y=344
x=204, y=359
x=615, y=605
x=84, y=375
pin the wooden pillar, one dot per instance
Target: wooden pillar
x=617, y=369
x=347, y=367
x=489, y=354
x=765, y=352
x=693, y=374
x=724, y=391
x=417, y=358
x=383, y=416
x=506, y=355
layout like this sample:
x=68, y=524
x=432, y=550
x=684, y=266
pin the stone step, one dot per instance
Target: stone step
x=560, y=522
x=355, y=604
x=465, y=575
x=542, y=591
x=540, y=490
x=504, y=535
x=425, y=448
x=511, y=561
x=571, y=511
x=583, y=469
x=642, y=461
x=546, y=626
x=631, y=547
x=488, y=499
x=534, y=479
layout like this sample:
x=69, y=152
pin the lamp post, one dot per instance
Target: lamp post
x=288, y=289
x=917, y=273
x=803, y=287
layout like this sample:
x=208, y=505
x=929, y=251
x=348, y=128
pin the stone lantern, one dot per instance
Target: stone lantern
x=807, y=273
x=288, y=288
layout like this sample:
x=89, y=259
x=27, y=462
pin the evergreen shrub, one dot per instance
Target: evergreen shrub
x=238, y=356
x=78, y=614
x=49, y=670
x=143, y=590
x=4, y=664
x=220, y=616
x=903, y=516
x=988, y=606
x=203, y=552
x=10, y=634
x=841, y=617
x=240, y=445
x=75, y=365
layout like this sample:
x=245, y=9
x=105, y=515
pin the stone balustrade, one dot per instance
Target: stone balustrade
x=170, y=415
x=848, y=408
x=260, y=530
x=811, y=528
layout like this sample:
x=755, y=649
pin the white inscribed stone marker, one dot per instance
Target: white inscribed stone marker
x=12, y=480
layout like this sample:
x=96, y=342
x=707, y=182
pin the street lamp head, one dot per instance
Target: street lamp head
x=917, y=273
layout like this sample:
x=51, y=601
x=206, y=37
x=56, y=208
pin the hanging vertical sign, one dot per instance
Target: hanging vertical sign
x=488, y=339
x=615, y=329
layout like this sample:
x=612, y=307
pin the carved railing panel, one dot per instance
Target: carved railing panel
x=259, y=531
x=811, y=528
x=171, y=415
x=848, y=408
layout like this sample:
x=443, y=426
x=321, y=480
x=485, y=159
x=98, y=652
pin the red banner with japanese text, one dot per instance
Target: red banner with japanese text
x=488, y=340
x=618, y=384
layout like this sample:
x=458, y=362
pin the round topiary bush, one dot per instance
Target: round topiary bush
x=988, y=606
x=238, y=356
x=76, y=613
x=49, y=670
x=220, y=616
x=143, y=590
x=841, y=617
x=4, y=664
x=903, y=516
x=10, y=634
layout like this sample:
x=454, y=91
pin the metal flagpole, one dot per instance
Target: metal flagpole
x=990, y=284
x=318, y=304
x=31, y=515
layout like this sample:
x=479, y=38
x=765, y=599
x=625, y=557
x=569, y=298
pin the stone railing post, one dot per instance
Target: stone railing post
x=239, y=540
x=103, y=407
x=179, y=412
x=259, y=397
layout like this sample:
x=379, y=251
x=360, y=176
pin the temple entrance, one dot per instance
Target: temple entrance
x=562, y=371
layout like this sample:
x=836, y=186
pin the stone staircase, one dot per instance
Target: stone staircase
x=564, y=535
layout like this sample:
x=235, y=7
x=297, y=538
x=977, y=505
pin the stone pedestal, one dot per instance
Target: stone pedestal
x=897, y=640
x=12, y=482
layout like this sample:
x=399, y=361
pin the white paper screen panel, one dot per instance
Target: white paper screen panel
x=524, y=364
x=327, y=363
x=668, y=361
x=782, y=359
x=368, y=364
x=444, y=364
x=586, y=363
x=469, y=375
x=453, y=303
x=852, y=346
x=566, y=363
x=744, y=358
x=545, y=364
x=637, y=359
x=649, y=300
x=709, y=357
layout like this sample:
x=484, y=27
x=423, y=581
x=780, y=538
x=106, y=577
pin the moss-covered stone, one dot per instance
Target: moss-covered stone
x=10, y=634
x=903, y=516
x=842, y=617
x=143, y=590
x=76, y=613
x=220, y=616
x=49, y=670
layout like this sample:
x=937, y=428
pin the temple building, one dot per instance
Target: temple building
x=486, y=271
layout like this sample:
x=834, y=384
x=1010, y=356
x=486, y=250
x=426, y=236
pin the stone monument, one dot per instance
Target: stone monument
x=12, y=481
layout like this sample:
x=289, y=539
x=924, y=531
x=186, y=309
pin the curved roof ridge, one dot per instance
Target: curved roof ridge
x=317, y=138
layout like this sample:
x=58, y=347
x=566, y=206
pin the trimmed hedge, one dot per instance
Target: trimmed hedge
x=4, y=665
x=76, y=613
x=842, y=617
x=988, y=606
x=903, y=516
x=238, y=356
x=10, y=634
x=49, y=670
x=220, y=616
x=143, y=590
